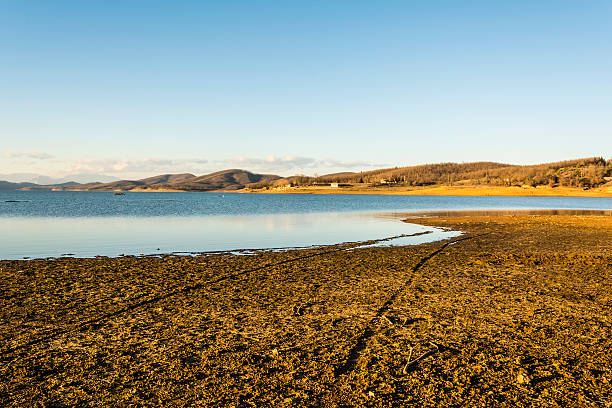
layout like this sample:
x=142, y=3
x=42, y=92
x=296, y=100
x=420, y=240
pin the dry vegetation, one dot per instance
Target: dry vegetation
x=590, y=172
x=518, y=314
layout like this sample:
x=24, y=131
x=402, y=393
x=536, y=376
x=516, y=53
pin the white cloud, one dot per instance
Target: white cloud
x=288, y=165
x=270, y=162
x=28, y=155
x=350, y=164
x=135, y=168
x=292, y=164
x=131, y=166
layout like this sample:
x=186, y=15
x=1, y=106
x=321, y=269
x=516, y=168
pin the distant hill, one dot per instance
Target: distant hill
x=233, y=179
x=585, y=173
x=7, y=185
x=60, y=186
x=46, y=180
x=168, y=178
x=149, y=182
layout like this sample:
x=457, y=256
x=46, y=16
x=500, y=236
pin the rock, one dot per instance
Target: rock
x=522, y=379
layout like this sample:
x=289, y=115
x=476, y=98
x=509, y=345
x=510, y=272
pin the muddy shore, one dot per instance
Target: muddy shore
x=516, y=312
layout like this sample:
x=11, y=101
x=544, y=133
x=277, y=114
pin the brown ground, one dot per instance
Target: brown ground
x=518, y=314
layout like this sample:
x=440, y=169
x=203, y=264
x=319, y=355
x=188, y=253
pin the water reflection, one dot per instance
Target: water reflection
x=38, y=237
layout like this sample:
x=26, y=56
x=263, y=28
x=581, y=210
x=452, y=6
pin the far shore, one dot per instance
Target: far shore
x=514, y=191
x=540, y=191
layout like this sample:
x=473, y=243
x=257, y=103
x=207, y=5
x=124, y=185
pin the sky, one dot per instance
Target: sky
x=136, y=88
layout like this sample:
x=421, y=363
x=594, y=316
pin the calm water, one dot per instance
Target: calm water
x=44, y=224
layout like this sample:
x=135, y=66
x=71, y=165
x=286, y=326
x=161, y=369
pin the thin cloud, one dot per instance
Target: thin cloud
x=147, y=165
x=271, y=162
x=134, y=168
x=350, y=164
x=292, y=164
x=28, y=155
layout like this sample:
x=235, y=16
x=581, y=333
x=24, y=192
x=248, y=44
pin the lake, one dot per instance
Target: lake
x=38, y=224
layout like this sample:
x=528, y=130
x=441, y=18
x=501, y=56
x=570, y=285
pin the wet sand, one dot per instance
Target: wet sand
x=516, y=312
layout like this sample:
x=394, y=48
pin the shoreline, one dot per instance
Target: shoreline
x=517, y=309
x=514, y=311
x=484, y=191
x=540, y=191
x=401, y=238
x=347, y=245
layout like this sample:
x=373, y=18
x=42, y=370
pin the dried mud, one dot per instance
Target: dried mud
x=516, y=312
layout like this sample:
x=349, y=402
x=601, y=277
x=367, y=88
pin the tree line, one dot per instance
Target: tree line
x=587, y=173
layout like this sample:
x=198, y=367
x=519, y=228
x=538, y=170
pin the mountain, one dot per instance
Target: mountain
x=584, y=173
x=167, y=178
x=46, y=180
x=146, y=183
x=19, y=177
x=80, y=178
x=233, y=179
x=7, y=185
x=49, y=187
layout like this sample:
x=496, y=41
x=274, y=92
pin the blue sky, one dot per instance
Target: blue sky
x=135, y=88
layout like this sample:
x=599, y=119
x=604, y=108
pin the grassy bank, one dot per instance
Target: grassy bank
x=539, y=191
x=514, y=313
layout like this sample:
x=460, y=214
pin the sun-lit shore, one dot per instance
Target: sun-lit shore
x=514, y=313
x=540, y=191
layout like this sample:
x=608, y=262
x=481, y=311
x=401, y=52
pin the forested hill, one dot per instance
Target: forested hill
x=589, y=172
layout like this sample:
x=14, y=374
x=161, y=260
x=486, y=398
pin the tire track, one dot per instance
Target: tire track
x=362, y=340
x=81, y=326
